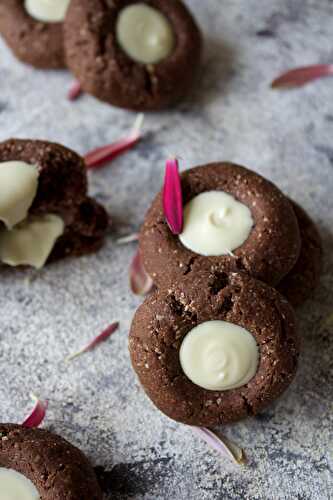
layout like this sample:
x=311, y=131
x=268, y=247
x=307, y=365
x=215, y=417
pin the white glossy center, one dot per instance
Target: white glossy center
x=215, y=223
x=31, y=242
x=15, y=486
x=18, y=188
x=144, y=34
x=218, y=355
x=47, y=11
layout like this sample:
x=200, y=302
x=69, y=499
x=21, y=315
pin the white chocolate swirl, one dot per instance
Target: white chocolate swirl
x=219, y=356
x=15, y=486
x=215, y=223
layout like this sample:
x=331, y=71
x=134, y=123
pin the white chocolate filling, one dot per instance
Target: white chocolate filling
x=47, y=11
x=15, y=486
x=144, y=33
x=215, y=223
x=18, y=188
x=218, y=355
x=31, y=242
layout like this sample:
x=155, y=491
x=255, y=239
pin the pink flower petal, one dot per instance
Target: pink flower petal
x=300, y=76
x=172, y=197
x=100, y=156
x=75, y=90
x=222, y=445
x=141, y=283
x=37, y=415
x=102, y=337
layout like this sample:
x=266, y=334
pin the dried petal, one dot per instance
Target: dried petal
x=75, y=90
x=102, y=337
x=141, y=283
x=172, y=197
x=100, y=156
x=37, y=415
x=130, y=238
x=222, y=445
x=300, y=76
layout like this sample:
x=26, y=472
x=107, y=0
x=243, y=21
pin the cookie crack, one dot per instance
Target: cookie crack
x=219, y=282
x=180, y=309
x=189, y=265
x=151, y=80
x=248, y=405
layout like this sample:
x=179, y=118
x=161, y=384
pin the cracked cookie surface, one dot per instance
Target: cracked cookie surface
x=268, y=254
x=164, y=319
x=59, y=470
x=105, y=71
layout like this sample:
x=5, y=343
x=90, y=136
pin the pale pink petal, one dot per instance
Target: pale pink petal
x=300, y=76
x=75, y=90
x=102, y=337
x=105, y=154
x=222, y=445
x=37, y=415
x=140, y=281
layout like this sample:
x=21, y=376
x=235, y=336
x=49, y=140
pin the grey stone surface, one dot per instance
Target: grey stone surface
x=95, y=401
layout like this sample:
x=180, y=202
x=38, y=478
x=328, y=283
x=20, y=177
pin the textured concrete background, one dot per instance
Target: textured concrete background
x=95, y=401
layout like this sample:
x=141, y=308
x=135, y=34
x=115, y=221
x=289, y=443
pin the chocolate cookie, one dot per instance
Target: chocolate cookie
x=45, y=191
x=135, y=55
x=32, y=39
x=47, y=463
x=223, y=331
x=86, y=234
x=241, y=208
x=303, y=279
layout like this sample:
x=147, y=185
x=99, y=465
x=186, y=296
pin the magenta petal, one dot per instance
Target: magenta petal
x=37, y=415
x=300, y=76
x=222, y=445
x=99, y=156
x=75, y=90
x=141, y=283
x=172, y=197
x=102, y=337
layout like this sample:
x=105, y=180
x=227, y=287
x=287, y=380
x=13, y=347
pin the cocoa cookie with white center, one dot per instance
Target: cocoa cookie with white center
x=303, y=279
x=33, y=29
x=140, y=55
x=214, y=348
x=45, y=212
x=38, y=465
x=234, y=220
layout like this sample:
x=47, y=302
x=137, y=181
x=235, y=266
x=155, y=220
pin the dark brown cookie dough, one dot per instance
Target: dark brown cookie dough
x=62, y=190
x=164, y=319
x=303, y=279
x=270, y=251
x=103, y=68
x=58, y=469
x=86, y=234
x=33, y=42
